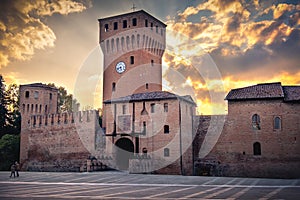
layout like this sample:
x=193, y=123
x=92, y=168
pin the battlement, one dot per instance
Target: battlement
x=62, y=119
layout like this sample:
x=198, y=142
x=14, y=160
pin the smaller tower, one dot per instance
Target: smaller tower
x=37, y=99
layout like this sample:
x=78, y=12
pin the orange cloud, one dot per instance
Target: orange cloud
x=22, y=31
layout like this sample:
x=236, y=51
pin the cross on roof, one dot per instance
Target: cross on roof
x=133, y=7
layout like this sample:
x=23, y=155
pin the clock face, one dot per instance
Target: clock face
x=120, y=67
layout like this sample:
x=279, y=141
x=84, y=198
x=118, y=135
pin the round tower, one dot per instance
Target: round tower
x=37, y=99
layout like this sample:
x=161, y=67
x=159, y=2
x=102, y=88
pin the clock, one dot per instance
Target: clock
x=120, y=67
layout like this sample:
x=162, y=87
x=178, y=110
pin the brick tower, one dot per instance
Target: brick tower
x=37, y=99
x=133, y=45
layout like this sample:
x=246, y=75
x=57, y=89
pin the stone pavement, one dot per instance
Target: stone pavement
x=121, y=185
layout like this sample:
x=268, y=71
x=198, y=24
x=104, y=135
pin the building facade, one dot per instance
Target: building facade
x=261, y=134
x=143, y=124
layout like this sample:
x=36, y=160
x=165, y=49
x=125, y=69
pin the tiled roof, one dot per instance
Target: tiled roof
x=291, y=93
x=149, y=96
x=40, y=85
x=265, y=91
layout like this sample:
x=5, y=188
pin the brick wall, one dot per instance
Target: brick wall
x=233, y=155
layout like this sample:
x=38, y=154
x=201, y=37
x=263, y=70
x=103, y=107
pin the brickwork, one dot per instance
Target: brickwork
x=138, y=40
x=234, y=153
x=149, y=130
x=52, y=141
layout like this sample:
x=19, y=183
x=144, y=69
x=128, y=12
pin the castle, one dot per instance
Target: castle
x=145, y=129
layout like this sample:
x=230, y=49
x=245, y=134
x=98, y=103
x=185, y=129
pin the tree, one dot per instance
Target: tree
x=14, y=115
x=4, y=118
x=9, y=150
x=66, y=102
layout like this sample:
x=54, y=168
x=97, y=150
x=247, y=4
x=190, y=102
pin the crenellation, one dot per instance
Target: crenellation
x=62, y=119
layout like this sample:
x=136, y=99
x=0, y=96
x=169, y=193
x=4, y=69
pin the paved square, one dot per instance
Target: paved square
x=121, y=185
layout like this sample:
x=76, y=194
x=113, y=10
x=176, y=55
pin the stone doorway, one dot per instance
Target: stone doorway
x=124, y=152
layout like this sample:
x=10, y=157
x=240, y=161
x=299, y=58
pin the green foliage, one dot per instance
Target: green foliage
x=66, y=102
x=9, y=150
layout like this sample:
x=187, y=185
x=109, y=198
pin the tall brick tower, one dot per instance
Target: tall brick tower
x=133, y=45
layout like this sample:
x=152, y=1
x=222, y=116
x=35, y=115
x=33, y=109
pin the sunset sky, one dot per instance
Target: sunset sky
x=241, y=42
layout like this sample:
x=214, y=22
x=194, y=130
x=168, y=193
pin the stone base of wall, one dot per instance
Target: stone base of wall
x=261, y=169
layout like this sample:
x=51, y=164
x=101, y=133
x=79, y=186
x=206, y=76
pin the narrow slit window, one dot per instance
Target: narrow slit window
x=166, y=152
x=166, y=107
x=115, y=25
x=147, y=86
x=166, y=129
x=132, y=60
x=146, y=23
x=134, y=22
x=256, y=149
x=124, y=23
x=106, y=28
x=277, y=123
x=152, y=107
x=113, y=86
x=27, y=94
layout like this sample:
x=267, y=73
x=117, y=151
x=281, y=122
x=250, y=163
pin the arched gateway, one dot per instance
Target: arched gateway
x=124, y=152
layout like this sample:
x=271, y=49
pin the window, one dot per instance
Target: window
x=132, y=60
x=134, y=22
x=124, y=23
x=124, y=109
x=147, y=86
x=166, y=108
x=152, y=107
x=166, y=129
x=151, y=26
x=277, y=123
x=145, y=150
x=144, y=111
x=166, y=152
x=256, y=149
x=105, y=27
x=152, y=62
x=46, y=108
x=50, y=96
x=27, y=94
x=36, y=94
x=256, y=122
x=115, y=25
x=146, y=22
x=144, y=128
x=23, y=107
x=113, y=86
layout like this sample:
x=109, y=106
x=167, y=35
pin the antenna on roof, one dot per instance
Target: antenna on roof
x=133, y=7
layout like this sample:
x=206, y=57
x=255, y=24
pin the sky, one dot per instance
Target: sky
x=213, y=45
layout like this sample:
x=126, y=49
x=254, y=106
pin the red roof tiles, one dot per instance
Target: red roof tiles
x=265, y=91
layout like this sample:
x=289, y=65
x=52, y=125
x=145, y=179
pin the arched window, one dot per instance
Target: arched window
x=277, y=123
x=166, y=152
x=256, y=149
x=256, y=122
x=113, y=86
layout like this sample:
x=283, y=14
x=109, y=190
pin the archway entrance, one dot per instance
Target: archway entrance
x=124, y=152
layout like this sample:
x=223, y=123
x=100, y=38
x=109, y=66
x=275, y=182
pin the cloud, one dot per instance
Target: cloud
x=250, y=42
x=23, y=30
